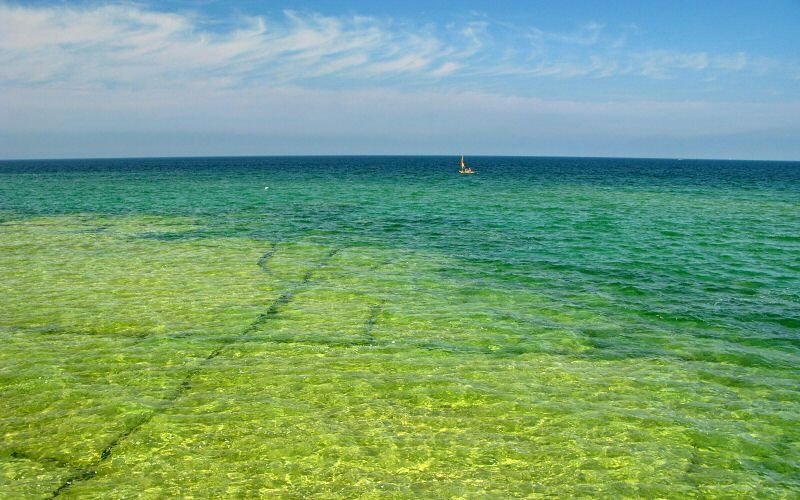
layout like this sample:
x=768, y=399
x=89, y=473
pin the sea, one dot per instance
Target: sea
x=383, y=327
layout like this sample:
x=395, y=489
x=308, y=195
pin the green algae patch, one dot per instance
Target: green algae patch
x=68, y=396
x=59, y=277
x=24, y=478
x=342, y=421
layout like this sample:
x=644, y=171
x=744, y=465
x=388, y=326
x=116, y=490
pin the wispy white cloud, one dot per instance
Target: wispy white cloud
x=446, y=69
x=660, y=64
x=732, y=62
x=134, y=46
x=589, y=34
x=474, y=33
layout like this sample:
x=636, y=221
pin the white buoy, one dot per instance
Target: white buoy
x=266, y=187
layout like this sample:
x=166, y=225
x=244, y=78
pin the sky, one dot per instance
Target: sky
x=675, y=79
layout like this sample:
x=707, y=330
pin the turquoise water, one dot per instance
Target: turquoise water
x=383, y=327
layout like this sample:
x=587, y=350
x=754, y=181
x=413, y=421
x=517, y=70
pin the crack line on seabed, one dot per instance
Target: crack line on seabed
x=86, y=474
x=21, y=455
x=367, y=338
x=372, y=320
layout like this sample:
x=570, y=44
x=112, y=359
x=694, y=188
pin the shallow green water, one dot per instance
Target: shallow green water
x=384, y=327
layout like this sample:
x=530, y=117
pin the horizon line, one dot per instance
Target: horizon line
x=455, y=155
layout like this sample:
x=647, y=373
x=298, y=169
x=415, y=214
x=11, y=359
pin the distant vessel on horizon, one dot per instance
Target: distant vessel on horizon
x=464, y=168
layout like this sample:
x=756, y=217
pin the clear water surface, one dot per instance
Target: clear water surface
x=383, y=327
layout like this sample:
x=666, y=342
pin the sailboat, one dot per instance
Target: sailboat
x=464, y=168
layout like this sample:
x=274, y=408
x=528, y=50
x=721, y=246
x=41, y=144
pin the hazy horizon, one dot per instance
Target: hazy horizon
x=379, y=155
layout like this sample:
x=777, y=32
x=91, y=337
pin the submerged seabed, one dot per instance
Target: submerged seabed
x=384, y=327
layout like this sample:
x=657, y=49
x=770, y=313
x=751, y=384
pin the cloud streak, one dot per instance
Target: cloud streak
x=129, y=45
x=133, y=46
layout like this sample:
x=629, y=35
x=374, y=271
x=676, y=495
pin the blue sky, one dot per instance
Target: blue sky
x=172, y=78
